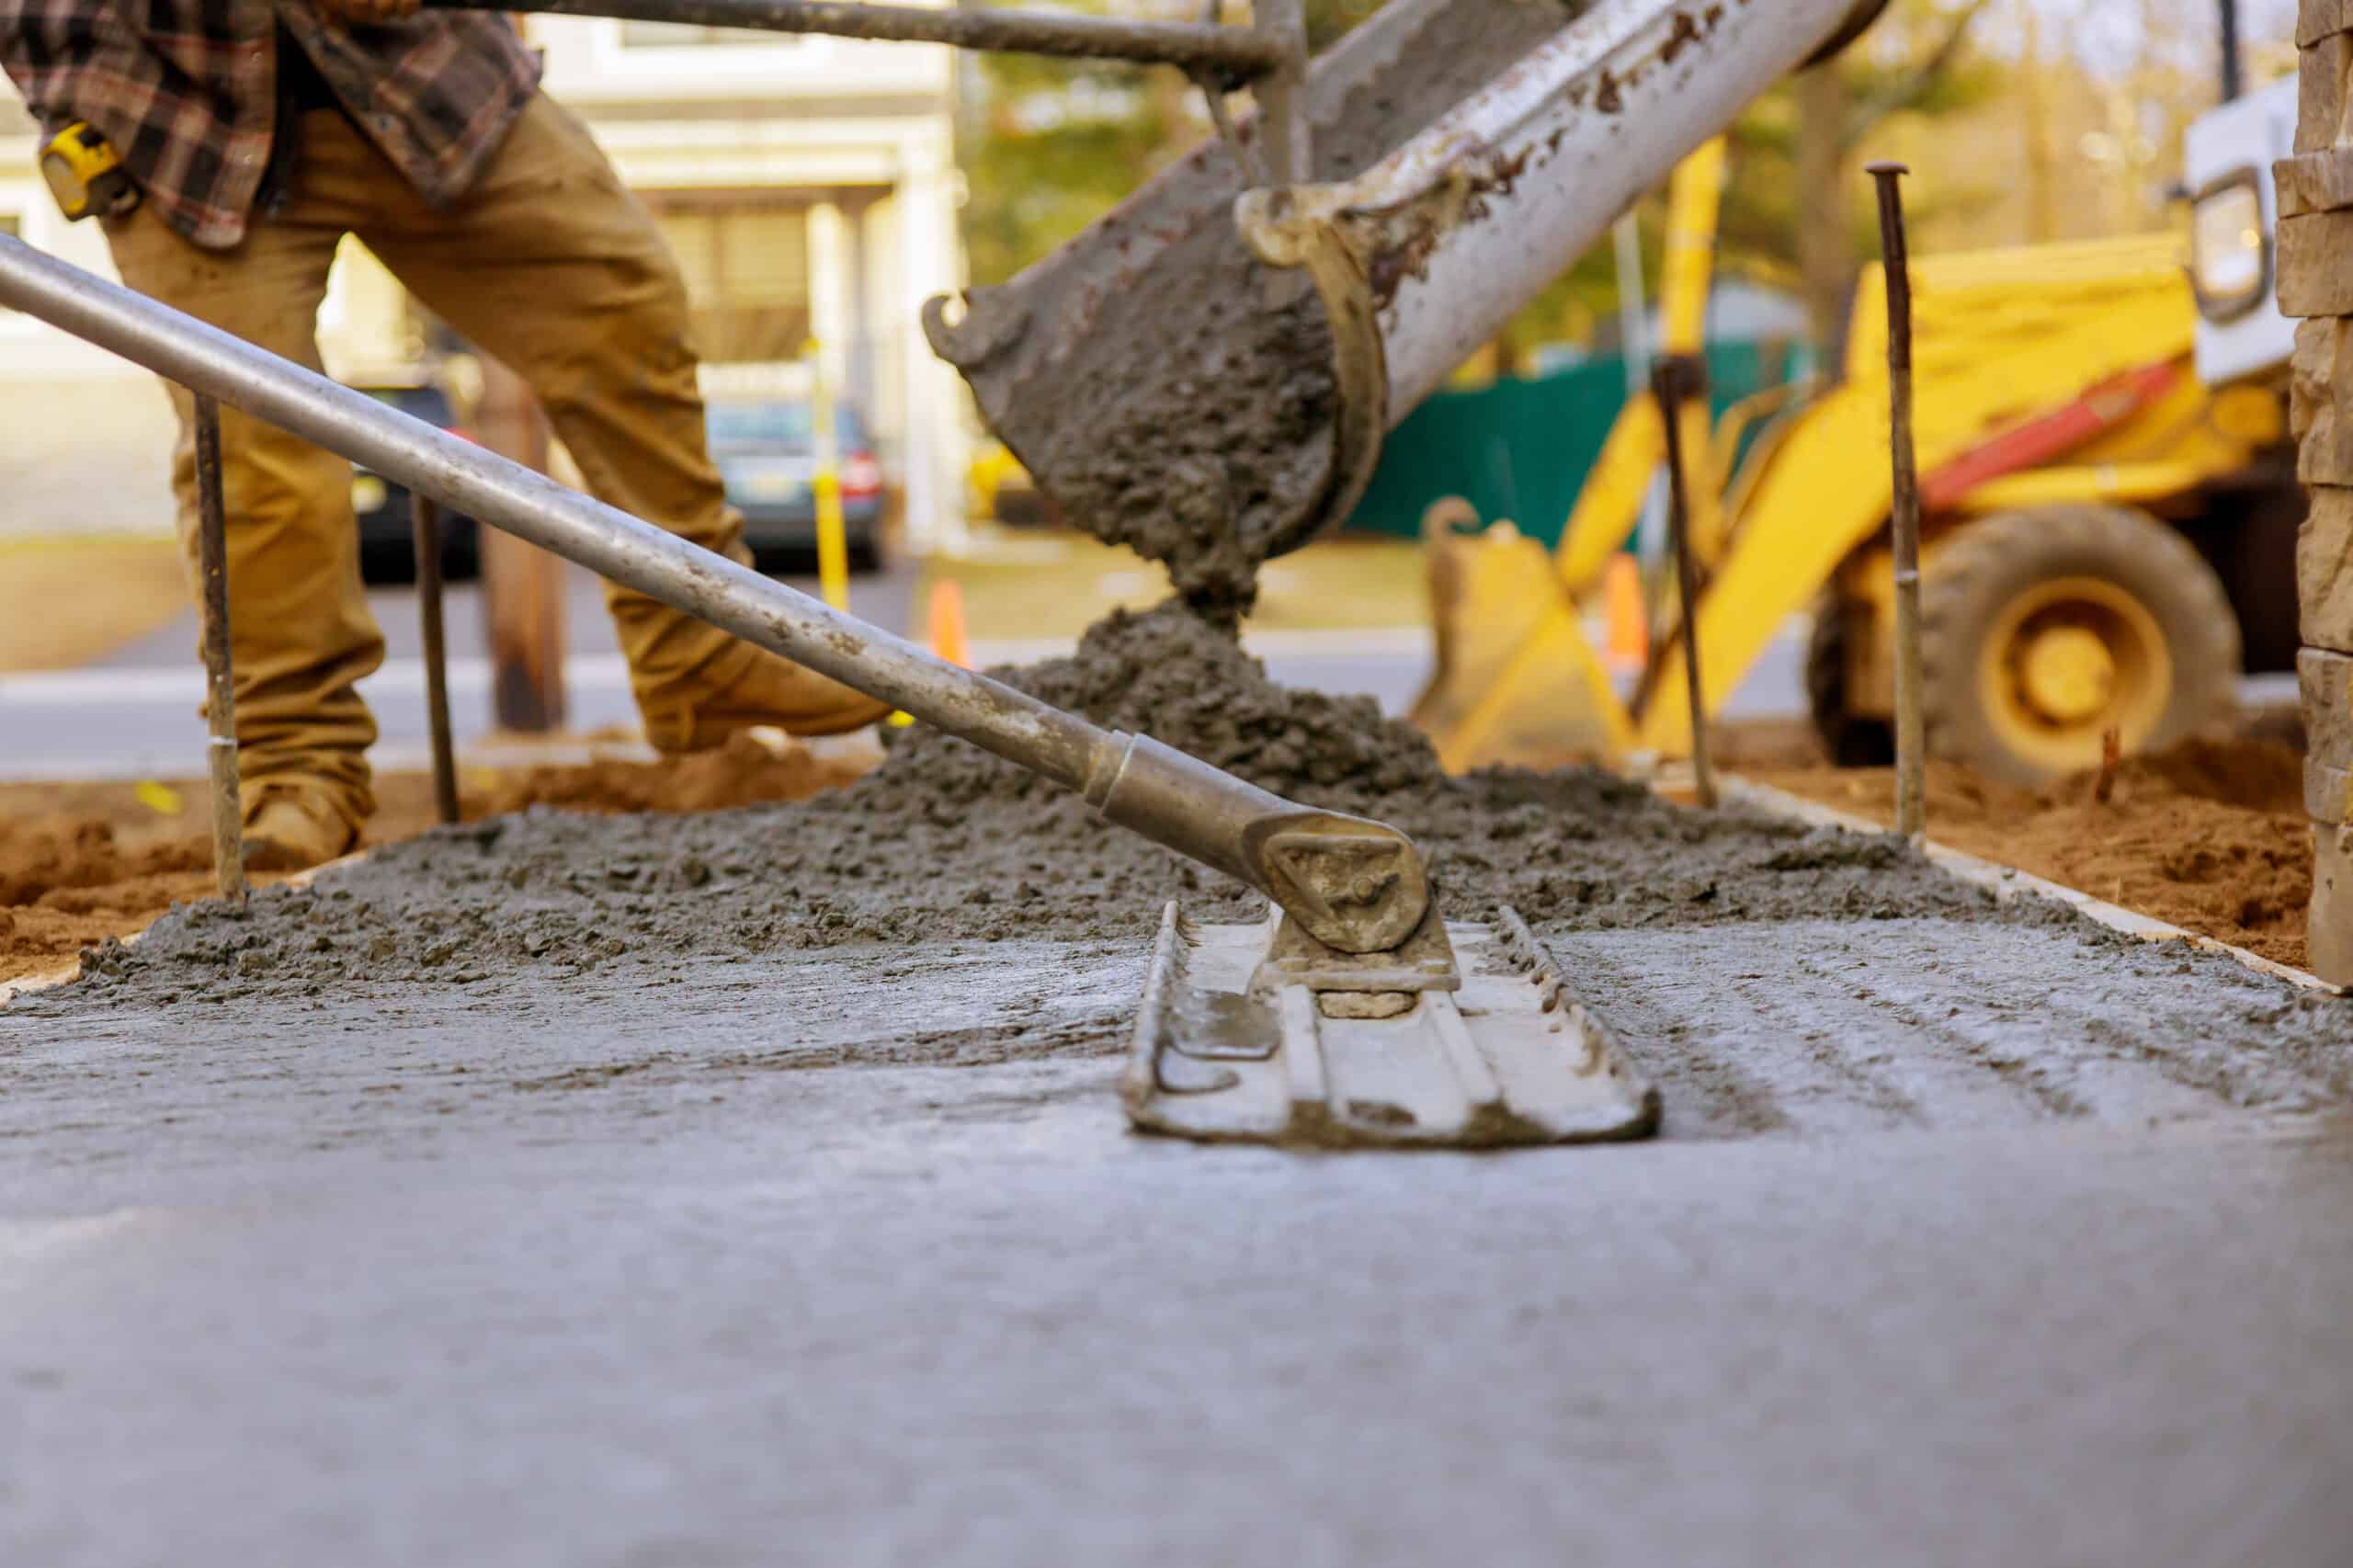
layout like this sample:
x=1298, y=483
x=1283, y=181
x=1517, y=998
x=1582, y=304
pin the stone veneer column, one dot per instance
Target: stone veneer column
x=2316, y=280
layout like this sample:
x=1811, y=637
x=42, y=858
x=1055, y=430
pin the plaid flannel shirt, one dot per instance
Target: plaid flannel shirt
x=186, y=90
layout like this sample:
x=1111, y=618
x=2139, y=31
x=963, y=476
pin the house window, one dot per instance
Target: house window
x=746, y=266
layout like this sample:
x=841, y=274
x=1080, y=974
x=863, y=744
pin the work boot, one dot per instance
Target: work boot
x=292, y=830
x=764, y=691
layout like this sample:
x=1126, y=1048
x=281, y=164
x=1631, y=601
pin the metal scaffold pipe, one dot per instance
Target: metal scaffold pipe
x=1231, y=55
x=503, y=495
x=1359, y=886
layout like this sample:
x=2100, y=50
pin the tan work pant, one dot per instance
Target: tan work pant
x=550, y=264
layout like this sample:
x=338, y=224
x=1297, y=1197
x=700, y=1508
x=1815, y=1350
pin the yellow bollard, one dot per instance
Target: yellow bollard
x=833, y=537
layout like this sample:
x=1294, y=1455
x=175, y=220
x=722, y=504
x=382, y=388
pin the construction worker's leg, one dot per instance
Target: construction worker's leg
x=301, y=635
x=554, y=268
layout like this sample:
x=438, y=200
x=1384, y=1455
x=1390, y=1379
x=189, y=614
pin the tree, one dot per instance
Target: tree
x=1796, y=208
x=1047, y=147
x=1050, y=145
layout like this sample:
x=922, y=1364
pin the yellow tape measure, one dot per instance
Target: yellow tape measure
x=86, y=174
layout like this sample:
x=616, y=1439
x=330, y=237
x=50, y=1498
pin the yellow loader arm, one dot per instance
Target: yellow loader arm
x=2001, y=338
x=1611, y=501
x=1515, y=680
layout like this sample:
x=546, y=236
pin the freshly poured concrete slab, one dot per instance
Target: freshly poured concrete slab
x=737, y=1262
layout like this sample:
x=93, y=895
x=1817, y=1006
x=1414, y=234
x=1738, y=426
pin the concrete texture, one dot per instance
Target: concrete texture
x=752, y=1189
x=338, y=1287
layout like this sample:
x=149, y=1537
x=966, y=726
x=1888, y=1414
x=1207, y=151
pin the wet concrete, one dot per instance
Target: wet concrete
x=599, y=1278
x=638, y=1190
x=1186, y=409
x=947, y=843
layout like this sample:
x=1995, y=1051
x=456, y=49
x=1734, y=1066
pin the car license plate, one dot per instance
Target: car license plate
x=771, y=487
x=367, y=492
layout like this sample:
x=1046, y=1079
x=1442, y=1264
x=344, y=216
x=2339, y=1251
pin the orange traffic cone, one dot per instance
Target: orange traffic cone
x=1629, y=647
x=948, y=637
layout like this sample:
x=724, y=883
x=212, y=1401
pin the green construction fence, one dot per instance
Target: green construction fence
x=1520, y=447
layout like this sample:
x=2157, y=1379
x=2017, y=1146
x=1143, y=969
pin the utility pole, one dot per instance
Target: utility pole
x=2231, y=83
x=522, y=585
x=2041, y=225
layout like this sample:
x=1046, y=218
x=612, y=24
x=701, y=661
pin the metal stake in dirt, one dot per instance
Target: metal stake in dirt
x=219, y=693
x=424, y=522
x=1911, y=748
x=1674, y=379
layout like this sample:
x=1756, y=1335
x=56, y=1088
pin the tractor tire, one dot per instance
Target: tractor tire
x=1851, y=740
x=2042, y=629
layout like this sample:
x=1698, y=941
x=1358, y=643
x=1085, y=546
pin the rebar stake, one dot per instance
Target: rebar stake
x=220, y=691
x=424, y=525
x=1673, y=379
x=1911, y=748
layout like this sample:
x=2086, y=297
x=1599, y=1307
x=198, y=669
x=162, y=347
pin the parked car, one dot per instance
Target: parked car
x=387, y=548
x=767, y=453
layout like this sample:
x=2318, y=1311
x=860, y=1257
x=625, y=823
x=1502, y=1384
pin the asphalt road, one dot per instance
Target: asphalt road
x=139, y=713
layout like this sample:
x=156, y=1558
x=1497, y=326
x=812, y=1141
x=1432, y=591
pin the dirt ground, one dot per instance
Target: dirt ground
x=82, y=862
x=2210, y=835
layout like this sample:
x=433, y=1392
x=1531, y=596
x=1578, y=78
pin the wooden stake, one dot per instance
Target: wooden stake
x=522, y=585
x=425, y=523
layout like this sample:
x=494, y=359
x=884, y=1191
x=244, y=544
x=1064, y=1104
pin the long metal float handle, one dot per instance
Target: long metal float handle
x=1231, y=55
x=1357, y=885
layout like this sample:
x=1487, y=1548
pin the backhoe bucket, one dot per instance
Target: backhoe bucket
x=1517, y=683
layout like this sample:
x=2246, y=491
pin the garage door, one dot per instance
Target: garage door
x=747, y=279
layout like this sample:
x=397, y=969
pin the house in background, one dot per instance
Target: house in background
x=807, y=183
x=85, y=437
x=809, y=186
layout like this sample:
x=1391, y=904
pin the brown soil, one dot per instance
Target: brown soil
x=82, y=862
x=741, y=773
x=2209, y=836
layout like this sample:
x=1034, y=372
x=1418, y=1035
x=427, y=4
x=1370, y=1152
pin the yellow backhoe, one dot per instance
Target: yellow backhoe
x=2081, y=485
